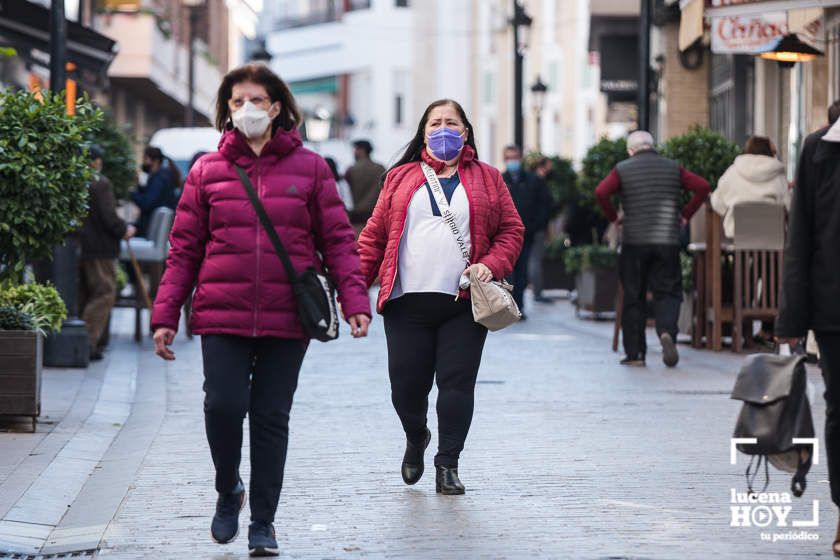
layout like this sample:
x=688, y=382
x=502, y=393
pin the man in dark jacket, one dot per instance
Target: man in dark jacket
x=533, y=201
x=100, y=240
x=649, y=186
x=810, y=292
x=365, y=180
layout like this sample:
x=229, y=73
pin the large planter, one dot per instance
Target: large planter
x=596, y=289
x=554, y=275
x=21, y=354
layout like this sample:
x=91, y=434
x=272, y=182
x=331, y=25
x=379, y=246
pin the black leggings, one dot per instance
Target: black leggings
x=257, y=376
x=432, y=333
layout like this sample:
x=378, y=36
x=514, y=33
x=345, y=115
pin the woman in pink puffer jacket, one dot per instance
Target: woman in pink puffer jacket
x=244, y=308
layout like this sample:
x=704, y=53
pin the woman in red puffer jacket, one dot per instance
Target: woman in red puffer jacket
x=244, y=308
x=428, y=320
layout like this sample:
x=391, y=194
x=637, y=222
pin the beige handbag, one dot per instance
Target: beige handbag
x=493, y=305
x=492, y=302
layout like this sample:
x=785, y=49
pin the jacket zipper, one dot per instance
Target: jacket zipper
x=257, y=282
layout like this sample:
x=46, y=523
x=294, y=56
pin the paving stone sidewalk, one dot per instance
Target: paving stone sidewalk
x=570, y=456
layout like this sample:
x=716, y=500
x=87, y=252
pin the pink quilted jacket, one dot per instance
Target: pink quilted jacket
x=218, y=244
x=496, y=231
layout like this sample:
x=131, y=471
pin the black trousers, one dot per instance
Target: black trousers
x=257, y=376
x=829, y=343
x=433, y=337
x=519, y=278
x=655, y=268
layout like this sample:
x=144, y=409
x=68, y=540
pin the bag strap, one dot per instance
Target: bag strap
x=751, y=474
x=445, y=210
x=267, y=225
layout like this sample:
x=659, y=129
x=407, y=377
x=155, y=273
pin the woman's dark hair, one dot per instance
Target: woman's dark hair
x=415, y=147
x=277, y=89
x=759, y=145
x=155, y=154
x=333, y=167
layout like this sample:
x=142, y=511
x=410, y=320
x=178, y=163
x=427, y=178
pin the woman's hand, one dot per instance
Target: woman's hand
x=359, y=325
x=479, y=272
x=163, y=338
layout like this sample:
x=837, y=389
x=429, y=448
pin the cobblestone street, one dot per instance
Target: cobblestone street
x=570, y=456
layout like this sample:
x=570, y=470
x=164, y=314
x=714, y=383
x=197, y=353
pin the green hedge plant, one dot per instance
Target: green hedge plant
x=40, y=301
x=119, y=164
x=597, y=164
x=44, y=173
x=587, y=257
x=702, y=151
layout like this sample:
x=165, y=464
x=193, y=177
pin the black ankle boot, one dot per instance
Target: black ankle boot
x=447, y=481
x=412, y=465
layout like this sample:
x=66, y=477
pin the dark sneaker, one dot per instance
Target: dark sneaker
x=670, y=356
x=636, y=361
x=261, y=539
x=225, y=525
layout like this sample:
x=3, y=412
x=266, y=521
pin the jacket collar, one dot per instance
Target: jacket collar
x=235, y=148
x=467, y=155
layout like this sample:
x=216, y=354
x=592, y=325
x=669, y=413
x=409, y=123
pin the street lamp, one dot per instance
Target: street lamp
x=521, y=23
x=261, y=53
x=538, y=89
x=192, y=21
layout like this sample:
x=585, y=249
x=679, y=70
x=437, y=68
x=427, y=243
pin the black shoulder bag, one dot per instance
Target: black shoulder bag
x=314, y=291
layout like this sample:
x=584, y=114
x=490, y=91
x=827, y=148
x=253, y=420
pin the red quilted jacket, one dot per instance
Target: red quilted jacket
x=217, y=240
x=496, y=231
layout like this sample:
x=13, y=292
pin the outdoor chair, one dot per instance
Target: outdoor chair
x=756, y=257
x=150, y=253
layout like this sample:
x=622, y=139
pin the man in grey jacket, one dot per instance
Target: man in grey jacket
x=650, y=189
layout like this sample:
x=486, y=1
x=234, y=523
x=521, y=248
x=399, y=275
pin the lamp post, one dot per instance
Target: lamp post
x=261, y=53
x=538, y=89
x=192, y=21
x=521, y=23
x=644, y=66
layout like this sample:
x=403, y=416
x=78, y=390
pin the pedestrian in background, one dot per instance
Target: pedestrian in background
x=533, y=202
x=162, y=182
x=365, y=179
x=429, y=324
x=244, y=307
x=755, y=176
x=100, y=244
x=541, y=169
x=649, y=186
x=341, y=184
x=811, y=280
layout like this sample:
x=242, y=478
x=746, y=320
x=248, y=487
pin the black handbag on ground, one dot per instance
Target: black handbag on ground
x=775, y=411
x=314, y=291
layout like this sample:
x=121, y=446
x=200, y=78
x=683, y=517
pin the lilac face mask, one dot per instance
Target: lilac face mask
x=445, y=143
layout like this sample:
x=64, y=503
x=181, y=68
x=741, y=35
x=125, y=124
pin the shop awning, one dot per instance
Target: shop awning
x=25, y=26
x=691, y=23
x=719, y=8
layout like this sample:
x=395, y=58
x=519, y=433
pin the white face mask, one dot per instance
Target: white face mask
x=251, y=120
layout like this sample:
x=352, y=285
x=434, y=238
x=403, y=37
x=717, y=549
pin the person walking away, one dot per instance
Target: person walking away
x=100, y=246
x=755, y=176
x=533, y=202
x=161, y=185
x=649, y=187
x=341, y=184
x=365, y=179
x=244, y=307
x=811, y=281
x=429, y=326
x=535, y=270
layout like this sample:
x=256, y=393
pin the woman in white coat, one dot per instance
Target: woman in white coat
x=755, y=176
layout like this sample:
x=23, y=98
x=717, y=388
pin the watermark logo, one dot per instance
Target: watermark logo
x=783, y=519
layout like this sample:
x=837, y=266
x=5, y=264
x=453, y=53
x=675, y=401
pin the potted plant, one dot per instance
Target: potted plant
x=596, y=276
x=119, y=163
x=555, y=275
x=706, y=153
x=27, y=313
